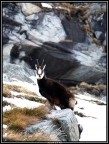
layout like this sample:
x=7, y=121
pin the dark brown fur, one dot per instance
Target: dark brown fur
x=56, y=93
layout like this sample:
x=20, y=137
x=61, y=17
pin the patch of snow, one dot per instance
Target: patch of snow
x=93, y=129
x=46, y=5
x=88, y=97
x=28, y=86
x=5, y=126
x=21, y=102
x=94, y=125
x=104, y=99
x=57, y=108
x=91, y=109
x=6, y=49
x=6, y=108
x=16, y=93
x=5, y=134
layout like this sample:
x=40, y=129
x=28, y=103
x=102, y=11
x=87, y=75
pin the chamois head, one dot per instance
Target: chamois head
x=40, y=70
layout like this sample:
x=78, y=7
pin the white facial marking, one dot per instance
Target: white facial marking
x=39, y=71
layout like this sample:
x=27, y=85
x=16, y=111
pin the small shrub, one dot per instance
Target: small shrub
x=34, y=98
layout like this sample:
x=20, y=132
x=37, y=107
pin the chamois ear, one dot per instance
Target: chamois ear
x=44, y=66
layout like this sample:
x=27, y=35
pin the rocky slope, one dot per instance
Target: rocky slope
x=71, y=38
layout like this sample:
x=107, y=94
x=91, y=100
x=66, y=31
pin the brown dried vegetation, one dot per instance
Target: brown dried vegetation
x=90, y=87
x=38, y=136
x=28, y=94
x=74, y=9
x=19, y=118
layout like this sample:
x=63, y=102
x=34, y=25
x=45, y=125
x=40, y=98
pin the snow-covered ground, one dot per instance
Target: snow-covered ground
x=29, y=86
x=22, y=102
x=94, y=124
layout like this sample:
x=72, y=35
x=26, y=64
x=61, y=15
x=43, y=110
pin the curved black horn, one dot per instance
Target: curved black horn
x=42, y=63
x=37, y=63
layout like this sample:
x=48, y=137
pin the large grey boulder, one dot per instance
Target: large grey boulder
x=62, y=124
x=80, y=62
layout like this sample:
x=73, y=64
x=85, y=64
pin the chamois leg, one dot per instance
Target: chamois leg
x=52, y=105
x=50, y=100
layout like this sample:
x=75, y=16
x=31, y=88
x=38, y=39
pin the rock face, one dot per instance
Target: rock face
x=61, y=124
x=73, y=46
x=17, y=72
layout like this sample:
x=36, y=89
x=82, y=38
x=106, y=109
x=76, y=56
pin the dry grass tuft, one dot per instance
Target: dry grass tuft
x=7, y=87
x=90, y=87
x=6, y=92
x=19, y=118
x=34, y=98
x=74, y=9
x=28, y=94
x=86, y=86
x=97, y=90
x=38, y=136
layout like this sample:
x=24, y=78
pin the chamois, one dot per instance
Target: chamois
x=55, y=92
